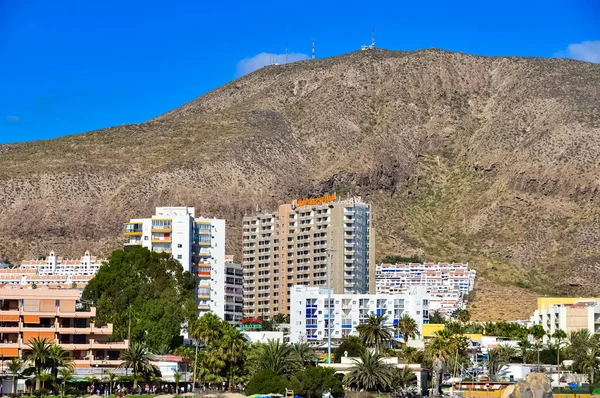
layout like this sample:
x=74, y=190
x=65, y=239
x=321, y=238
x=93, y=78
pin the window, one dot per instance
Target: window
x=179, y=257
x=146, y=237
x=179, y=245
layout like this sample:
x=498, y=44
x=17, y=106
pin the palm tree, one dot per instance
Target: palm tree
x=591, y=362
x=463, y=316
x=368, y=373
x=408, y=327
x=538, y=332
x=582, y=342
x=278, y=358
x=40, y=356
x=402, y=378
x=15, y=367
x=373, y=332
x=59, y=358
x=304, y=353
x=559, y=336
x=508, y=351
x=177, y=379
x=524, y=346
x=137, y=357
x=112, y=377
x=234, y=343
x=44, y=377
x=65, y=374
x=497, y=359
x=206, y=328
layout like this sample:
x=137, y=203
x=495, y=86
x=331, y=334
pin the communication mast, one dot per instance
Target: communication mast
x=372, y=46
x=313, y=49
x=286, y=52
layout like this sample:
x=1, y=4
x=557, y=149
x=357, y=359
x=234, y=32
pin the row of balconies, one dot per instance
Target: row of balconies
x=91, y=345
x=92, y=329
x=57, y=312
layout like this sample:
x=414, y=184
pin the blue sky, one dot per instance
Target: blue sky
x=68, y=67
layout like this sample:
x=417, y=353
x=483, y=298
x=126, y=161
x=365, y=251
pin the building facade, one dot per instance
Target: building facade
x=311, y=312
x=568, y=315
x=234, y=291
x=54, y=271
x=57, y=315
x=198, y=243
x=291, y=247
x=447, y=283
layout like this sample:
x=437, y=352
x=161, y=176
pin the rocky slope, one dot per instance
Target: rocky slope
x=494, y=161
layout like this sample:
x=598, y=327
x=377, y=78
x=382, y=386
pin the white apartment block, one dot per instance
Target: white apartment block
x=448, y=284
x=53, y=270
x=582, y=314
x=198, y=243
x=290, y=247
x=310, y=313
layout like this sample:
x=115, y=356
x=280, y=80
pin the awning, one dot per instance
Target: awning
x=9, y=318
x=31, y=319
x=9, y=352
x=29, y=336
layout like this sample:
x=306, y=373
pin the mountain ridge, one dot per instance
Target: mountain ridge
x=491, y=160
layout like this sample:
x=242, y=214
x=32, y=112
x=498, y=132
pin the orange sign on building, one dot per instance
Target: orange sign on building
x=328, y=197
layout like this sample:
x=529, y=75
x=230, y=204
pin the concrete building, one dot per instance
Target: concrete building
x=290, y=247
x=54, y=271
x=311, y=314
x=567, y=314
x=57, y=315
x=198, y=243
x=234, y=291
x=448, y=284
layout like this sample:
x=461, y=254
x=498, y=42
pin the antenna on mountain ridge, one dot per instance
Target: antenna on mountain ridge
x=286, y=52
x=313, y=49
x=373, y=37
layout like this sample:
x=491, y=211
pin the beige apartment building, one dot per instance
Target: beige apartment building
x=290, y=247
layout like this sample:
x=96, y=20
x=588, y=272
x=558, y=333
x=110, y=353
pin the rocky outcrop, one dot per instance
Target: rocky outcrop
x=535, y=385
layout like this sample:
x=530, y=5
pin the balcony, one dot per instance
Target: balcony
x=133, y=233
x=89, y=313
x=161, y=240
x=137, y=243
x=10, y=329
x=163, y=228
x=106, y=362
x=109, y=345
x=75, y=347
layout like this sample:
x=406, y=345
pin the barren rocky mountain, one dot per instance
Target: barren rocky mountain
x=494, y=161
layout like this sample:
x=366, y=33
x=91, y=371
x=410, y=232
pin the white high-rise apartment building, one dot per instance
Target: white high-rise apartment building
x=198, y=243
x=568, y=316
x=290, y=247
x=447, y=283
x=310, y=313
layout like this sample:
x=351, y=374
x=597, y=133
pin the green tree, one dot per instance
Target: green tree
x=559, y=337
x=265, y=382
x=402, y=260
x=39, y=356
x=278, y=358
x=581, y=343
x=305, y=354
x=15, y=367
x=368, y=373
x=408, y=327
x=177, y=379
x=146, y=290
x=591, y=362
x=208, y=328
x=352, y=345
x=59, y=358
x=44, y=377
x=497, y=359
x=436, y=317
x=137, y=357
x=402, y=378
x=313, y=381
x=65, y=375
x=111, y=377
x=374, y=332
x=234, y=344
x=524, y=347
x=538, y=332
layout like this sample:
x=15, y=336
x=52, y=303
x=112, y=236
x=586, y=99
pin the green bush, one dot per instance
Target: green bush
x=266, y=382
x=312, y=382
